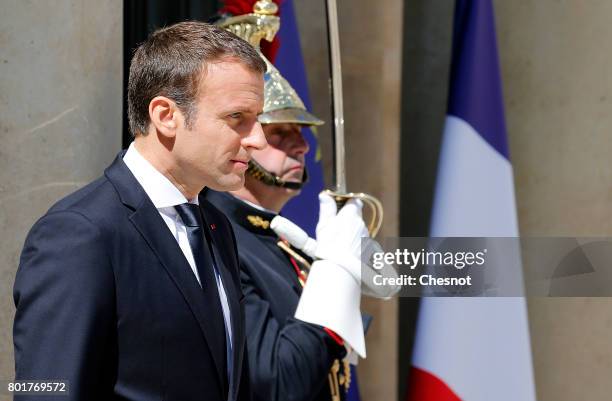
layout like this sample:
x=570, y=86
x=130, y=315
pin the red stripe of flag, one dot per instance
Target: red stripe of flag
x=424, y=386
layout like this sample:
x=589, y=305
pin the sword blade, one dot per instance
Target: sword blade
x=333, y=36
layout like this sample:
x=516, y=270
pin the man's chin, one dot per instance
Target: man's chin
x=295, y=177
x=228, y=183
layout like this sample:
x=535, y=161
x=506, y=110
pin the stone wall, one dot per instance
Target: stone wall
x=60, y=97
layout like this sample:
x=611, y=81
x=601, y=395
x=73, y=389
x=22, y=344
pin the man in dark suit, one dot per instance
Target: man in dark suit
x=129, y=288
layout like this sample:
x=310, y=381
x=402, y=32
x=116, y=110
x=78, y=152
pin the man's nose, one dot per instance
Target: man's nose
x=300, y=144
x=256, y=139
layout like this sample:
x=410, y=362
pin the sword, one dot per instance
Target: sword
x=339, y=193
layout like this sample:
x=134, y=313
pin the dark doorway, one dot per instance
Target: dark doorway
x=141, y=17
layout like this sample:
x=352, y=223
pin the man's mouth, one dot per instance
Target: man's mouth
x=242, y=164
x=294, y=168
x=294, y=173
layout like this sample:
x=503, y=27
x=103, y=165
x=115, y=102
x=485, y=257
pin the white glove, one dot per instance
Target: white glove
x=340, y=239
x=339, y=234
x=332, y=294
x=331, y=298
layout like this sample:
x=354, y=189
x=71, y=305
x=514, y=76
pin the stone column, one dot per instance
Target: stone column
x=60, y=97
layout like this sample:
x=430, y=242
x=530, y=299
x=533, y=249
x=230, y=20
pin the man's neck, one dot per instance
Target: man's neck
x=161, y=163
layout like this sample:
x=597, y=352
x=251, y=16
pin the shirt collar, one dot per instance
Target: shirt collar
x=258, y=207
x=159, y=189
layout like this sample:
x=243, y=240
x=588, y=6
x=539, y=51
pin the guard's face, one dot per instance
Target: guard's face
x=285, y=154
x=225, y=131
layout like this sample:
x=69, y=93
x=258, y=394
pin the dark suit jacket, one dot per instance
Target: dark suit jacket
x=289, y=359
x=106, y=300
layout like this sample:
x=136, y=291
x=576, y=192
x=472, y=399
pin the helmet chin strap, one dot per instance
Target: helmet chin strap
x=259, y=173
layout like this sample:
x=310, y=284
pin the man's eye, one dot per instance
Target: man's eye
x=235, y=115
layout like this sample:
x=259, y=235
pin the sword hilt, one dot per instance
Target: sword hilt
x=372, y=204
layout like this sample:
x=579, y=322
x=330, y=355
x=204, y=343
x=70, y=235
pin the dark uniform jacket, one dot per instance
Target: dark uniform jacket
x=289, y=360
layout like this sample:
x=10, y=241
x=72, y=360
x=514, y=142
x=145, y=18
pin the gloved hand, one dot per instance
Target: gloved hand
x=343, y=228
x=339, y=233
x=342, y=239
x=332, y=294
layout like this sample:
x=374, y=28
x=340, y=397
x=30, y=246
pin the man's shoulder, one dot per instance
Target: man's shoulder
x=93, y=201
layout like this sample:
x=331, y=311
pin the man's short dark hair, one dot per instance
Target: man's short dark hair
x=171, y=63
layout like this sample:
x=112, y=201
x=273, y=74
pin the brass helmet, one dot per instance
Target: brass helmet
x=281, y=102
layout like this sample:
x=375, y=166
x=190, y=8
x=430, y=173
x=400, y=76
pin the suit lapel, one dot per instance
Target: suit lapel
x=150, y=224
x=155, y=232
x=222, y=261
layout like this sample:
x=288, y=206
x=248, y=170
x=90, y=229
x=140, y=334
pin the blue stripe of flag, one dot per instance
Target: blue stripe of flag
x=475, y=93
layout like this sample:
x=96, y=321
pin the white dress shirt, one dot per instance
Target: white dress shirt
x=165, y=196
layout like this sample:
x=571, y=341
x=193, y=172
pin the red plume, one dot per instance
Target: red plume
x=239, y=7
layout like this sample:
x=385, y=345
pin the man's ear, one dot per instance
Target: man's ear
x=164, y=115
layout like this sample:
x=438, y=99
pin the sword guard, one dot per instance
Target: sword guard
x=373, y=206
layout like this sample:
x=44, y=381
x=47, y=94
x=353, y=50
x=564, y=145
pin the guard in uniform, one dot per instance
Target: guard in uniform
x=289, y=359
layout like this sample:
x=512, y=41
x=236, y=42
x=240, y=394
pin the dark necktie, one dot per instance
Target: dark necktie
x=207, y=270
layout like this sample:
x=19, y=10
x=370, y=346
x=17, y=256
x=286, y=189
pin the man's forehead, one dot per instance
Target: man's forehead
x=282, y=127
x=229, y=67
x=233, y=86
x=224, y=77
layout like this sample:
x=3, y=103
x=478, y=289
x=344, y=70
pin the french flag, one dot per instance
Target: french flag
x=473, y=349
